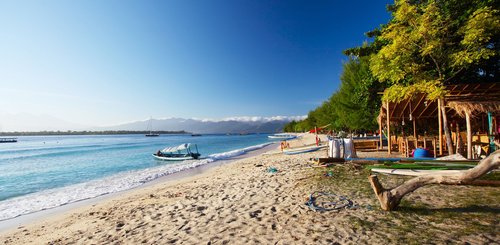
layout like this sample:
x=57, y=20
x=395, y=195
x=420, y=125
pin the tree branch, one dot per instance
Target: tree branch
x=390, y=198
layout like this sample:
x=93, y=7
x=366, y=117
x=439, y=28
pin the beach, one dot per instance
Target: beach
x=243, y=202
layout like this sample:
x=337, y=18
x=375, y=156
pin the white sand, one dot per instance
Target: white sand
x=234, y=203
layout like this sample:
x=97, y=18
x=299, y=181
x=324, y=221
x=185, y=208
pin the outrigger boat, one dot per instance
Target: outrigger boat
x=282, y=136
x=294, y=151
x=177, y=153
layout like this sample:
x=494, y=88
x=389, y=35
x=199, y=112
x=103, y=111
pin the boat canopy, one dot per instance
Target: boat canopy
x=176, y=148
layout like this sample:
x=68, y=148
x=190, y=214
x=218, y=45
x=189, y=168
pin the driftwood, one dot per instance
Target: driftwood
x=389, y=198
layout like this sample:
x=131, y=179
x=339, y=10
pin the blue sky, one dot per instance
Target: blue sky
x=106, y=62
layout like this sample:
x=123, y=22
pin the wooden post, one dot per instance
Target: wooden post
x=388, y=129
x=434, y=145
x=425, y=143
x=381, y=145
x=469, y=136
x=440, y=128
x=445, y=128
x=407, y=148
x=458, y=142
x=415, y=128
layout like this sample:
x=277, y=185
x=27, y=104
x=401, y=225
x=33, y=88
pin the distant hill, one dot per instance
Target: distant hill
x=24, y=122
x=231, y=126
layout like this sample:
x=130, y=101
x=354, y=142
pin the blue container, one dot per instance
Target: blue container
x=421, y=153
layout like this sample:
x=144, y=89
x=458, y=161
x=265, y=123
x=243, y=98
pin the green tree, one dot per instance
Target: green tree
x=353, y=107
x=428, y=44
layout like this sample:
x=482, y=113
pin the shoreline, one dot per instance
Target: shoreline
x=186, y=175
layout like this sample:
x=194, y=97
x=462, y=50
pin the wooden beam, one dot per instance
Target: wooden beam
x=419, y=102
x=440, y=128
x=392, y=112
x=388, y=129
x=424, y=110
x=469, y=136
x=401, y=115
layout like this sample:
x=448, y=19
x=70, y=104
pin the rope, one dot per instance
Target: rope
x=337, y=202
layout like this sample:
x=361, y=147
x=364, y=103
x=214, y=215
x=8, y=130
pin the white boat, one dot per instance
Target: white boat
x=150, y=127
x=177, y=153
x=283, y=136
x=414, y=172
x=303, y=149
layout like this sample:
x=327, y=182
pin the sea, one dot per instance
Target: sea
x=43, y=172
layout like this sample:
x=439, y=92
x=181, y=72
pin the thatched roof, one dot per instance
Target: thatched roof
x=472, y=108
x=471, y=98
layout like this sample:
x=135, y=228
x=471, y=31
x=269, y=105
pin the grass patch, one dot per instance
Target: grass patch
x=432, y=214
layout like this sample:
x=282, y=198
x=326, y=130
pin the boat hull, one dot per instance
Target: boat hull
x=302, y=150
x=282, y=136
x=173, y=158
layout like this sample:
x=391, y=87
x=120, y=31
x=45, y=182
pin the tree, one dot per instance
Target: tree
x=389, y=199
x=354, y=106
x=428, y=44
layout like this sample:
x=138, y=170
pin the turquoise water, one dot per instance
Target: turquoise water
x=41, y=172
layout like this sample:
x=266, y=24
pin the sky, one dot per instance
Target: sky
x=106, y=62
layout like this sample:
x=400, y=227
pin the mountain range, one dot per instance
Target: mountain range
x=231, y=126
x=25, y=122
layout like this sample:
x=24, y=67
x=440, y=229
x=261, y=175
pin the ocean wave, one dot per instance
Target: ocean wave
x=52, y=198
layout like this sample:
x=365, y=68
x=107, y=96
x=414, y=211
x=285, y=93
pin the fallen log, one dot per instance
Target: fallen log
x=390, y=198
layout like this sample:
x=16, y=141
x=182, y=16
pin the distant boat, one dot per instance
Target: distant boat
x=194, y=135
x=150, y=127
x=177, y=153
x=8, y=140
x=282, y=136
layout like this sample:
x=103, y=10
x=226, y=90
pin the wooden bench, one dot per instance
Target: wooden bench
x=366, y=144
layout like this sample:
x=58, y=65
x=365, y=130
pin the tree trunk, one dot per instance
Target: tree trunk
x=446, y=129
x=390, y=198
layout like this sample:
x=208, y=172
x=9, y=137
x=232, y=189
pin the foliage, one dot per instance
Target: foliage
x=353, y=107
x=427, y=44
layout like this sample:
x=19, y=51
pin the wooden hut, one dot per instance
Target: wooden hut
x=478, y=101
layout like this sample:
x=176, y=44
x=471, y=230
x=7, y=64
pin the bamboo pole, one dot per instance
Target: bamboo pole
x=415, y=128
x=469, y=136
x=388, y=129
x=440, y=128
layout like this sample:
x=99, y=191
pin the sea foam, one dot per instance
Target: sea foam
x=52, y=198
